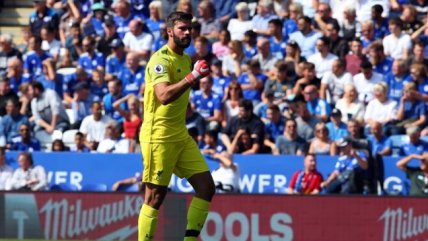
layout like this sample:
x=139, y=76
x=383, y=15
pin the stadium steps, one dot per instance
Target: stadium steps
x=14, y=15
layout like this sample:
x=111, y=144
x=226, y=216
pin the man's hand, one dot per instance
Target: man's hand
x=200, y=70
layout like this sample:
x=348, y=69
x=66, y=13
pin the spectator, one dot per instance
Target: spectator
x=418, y=176
x=396, y=79
x=276, y=39
x=73, y=41
x=348, y=174
x=202, y=47
x=162, y=40
x=292, y=55
x=350, y=106
x=420, y=8
x=265, y=56
x=156, y=20
x=49, y=77
x=194, y=33
x=24, y=142
x=242, y=143
x=418, y=54
x=381, y=64
x=68, y=20
x=34, y=58
x=274, y=126
x=309, y=77
x=418, y=73
x=323, y=18
x=309, y=8
x=110, y=34
x=26, y=34
x=220, y=81
x=322, y=144
x=79, y=76
x=244, y=120
x=114, y=93
x=308, y=180
x=28, y=176
x=12, y=120
x=6, y=93
x=226, y=177
x=234, y=62
x=81, y=104
x=336, y=127
x=323, y=59
x=117, y=60
x=15, y=74
x=338, y=45
x=250, y=44
x=221, y=47
x=123, y=16
x=333, y=83
x=365, y=81
x=42, y=15
x=6, y=171
x=379, y=143
x=239, y=25
x=398, y=43
x=114, y=143
x=380, y=23
x=137, y=40
x=306, y=37
x=381, y=109
x=93, y=22
x=59, y=146
x=410, y=20
x=98, y=84
x=283, y=82
x=94, y=126
x=49, y=43
x=316, y=106
x=196, y=123
x=305, y=122
x=290, y=143
x=367, y=35
x=90, y=59
x=48, y=111
x=231, y=102
x=132, y=75
x=210, y=25
x=354, y=130
x=252, y=81
x=415, y=144
x=132, y=117
x=207, y=103
x=224, y=10
x=350, y=26
x=7, y=52
x=186, y=6
x=264, y=14
x=354, y=59
x=79, y=143
x=295, y=11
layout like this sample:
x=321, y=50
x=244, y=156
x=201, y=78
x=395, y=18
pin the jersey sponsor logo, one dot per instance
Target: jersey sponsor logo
x=159, y=69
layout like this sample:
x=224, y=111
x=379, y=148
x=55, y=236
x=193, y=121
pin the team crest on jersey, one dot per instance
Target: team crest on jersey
x=159, y=69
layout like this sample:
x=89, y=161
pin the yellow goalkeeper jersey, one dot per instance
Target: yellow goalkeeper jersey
x=165, y=123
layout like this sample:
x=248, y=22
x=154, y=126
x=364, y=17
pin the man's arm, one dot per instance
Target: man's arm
x=361, y=161
x=402, y=163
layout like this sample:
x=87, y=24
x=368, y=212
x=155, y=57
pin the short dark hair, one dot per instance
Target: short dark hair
x=27, y=156
x=273, y=107
x=378, y=8
x=37, y=85
x=213, y=134
x=246, y=104
x=277, y=22
x=178, y=16
x=396, y=21
x=306, y=19
x=335, y=25
x=366, y=65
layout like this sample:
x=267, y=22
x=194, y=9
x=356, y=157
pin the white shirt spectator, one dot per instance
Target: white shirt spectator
x=20, y=178
x=6, y=173
x=142, y=42
x=322, y=65
x=353, y=111
x=238, y=28
x=365, y=87
x=364, y=8
x=395, y=47
x=381, y=112
x=335, y=84
x=53, y=47
x=114, y=146
x=94, y=130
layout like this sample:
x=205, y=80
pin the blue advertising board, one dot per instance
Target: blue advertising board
x=259, y=173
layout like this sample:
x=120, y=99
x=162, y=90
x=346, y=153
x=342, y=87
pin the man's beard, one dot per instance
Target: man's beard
x=183, y=42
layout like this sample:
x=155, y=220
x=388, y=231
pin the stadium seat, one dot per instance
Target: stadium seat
x=95, y=187
x=129, y=188
x=68, y=137
x=64, y=187
x=397, y=142
x=47, y=139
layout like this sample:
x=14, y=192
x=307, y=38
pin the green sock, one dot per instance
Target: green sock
x=196, y=216
x=147, y=223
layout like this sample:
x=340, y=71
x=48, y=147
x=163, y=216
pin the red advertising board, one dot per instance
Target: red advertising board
x=104, y=216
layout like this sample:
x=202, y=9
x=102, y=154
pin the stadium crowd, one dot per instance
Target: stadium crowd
x=287, y=77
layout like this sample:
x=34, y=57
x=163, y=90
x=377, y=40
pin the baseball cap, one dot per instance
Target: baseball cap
x=116, y=43
x=98, y=6
x=342, y=142
x=336, y=112
x=109, y=20
x=80, y=86
x=293, y=43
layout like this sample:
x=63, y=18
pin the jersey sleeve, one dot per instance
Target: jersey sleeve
x=159, y=70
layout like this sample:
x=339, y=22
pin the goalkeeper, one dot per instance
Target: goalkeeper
x=166, y=145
